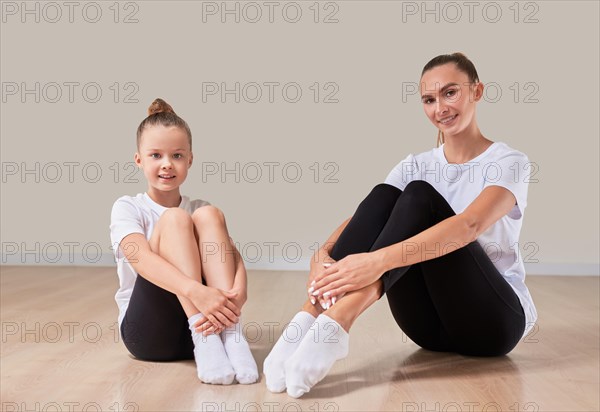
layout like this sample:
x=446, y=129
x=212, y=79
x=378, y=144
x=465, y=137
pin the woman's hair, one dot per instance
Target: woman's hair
x=462, y=63
x=161, y=113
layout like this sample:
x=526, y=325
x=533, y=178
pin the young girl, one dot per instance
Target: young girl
x=439, y=238
x=178, y=269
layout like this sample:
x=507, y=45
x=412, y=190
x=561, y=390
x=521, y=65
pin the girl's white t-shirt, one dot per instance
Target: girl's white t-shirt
x=460, y=184
x=136, y=214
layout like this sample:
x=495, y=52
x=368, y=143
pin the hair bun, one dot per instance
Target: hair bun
x=159, y=106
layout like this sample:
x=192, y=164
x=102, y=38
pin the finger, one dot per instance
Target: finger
x=231, y=316
x=202, y=322
x=205, y=327
x=334, y=268
x=224, y=320
x=215, y=320
x=232, y=307
x=332, y=288
x=321, y=286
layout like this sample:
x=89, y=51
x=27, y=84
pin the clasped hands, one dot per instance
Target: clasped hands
x=330, y=280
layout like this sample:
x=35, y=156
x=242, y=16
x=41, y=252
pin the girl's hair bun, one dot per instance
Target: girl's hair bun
x=159, y=106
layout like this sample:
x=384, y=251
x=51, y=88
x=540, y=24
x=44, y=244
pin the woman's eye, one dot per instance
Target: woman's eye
x=450, y=92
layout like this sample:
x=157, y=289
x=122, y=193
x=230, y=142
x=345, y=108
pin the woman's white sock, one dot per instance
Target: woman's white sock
x=211, y=359
x=285, y=346
x=325, y=343
x=239, y=354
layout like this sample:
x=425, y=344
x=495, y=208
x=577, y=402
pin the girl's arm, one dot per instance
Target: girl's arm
x=215, y=304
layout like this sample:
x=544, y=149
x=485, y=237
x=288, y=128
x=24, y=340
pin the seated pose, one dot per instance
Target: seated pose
x=439, y=238
x=182, y=282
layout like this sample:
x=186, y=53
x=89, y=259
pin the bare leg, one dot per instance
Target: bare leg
x=216, y=250
x=173, y=239
x=218, y=265
x=353, y=304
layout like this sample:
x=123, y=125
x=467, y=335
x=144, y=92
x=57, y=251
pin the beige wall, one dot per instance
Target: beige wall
x=546, y=71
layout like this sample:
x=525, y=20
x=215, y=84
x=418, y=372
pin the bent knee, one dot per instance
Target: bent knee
x=208, y=213
x=176, y=215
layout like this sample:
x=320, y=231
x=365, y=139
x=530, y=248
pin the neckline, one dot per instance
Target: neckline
x=476, y=158
x=158, y=207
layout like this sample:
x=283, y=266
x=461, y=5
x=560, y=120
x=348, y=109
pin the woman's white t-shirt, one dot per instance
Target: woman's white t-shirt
x=136, y=214
x=460, y=184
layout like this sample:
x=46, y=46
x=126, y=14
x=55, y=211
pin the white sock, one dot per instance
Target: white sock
x=324, y=343
x=211, y=359
x=239, y=354
x=285, y=346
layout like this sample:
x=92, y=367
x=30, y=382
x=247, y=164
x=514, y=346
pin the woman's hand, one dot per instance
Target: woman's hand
x=321, y=261
x=217, y=306
x=351, y=273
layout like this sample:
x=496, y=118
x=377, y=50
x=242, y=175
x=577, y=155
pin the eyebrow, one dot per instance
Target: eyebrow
x=442, y=89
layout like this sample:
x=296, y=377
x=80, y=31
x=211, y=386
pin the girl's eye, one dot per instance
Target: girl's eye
x=153, y=155
x=178, y=155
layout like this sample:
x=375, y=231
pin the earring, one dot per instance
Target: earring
x=440, y=137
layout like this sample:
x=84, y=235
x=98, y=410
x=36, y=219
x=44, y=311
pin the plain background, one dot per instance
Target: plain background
x=539, y=59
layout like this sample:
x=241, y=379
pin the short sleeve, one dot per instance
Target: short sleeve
x=124, y=220
x=510, y=171
x=404, y=173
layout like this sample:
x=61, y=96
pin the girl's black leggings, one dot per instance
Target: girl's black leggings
x=458, y=302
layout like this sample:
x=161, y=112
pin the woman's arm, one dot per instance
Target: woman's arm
x=360, y=270
x=322, y=254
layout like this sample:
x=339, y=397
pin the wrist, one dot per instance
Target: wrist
x=381, y=260
x=193, y=288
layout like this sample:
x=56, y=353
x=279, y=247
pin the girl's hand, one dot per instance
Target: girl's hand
x=353, y=272
x=217, y=306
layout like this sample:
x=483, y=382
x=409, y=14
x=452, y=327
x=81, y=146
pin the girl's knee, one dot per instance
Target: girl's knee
x=175, y=216
x=208, y=213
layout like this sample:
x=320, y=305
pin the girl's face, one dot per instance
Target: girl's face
x=449, y=98
x=164, y=156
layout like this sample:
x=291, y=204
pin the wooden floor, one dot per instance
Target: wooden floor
x=61, y=351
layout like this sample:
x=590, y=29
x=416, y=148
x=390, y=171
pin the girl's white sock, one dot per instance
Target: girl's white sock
x=325, y=342
x=211, y=359
x=238, y=352
x=285, y=346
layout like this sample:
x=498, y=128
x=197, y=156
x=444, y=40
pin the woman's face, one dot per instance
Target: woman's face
x=164, y=157
x=449, y=99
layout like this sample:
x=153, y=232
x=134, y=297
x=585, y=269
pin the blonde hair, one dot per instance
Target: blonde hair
x=161, y=113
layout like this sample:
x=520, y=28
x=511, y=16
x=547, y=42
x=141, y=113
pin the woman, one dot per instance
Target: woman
x=438, y=238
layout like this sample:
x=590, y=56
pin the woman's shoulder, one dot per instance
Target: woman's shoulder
x=503, y=150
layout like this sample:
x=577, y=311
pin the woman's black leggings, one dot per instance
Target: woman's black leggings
x=458, y=302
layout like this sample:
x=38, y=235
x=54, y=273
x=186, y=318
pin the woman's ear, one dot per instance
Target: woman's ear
x=478, y=92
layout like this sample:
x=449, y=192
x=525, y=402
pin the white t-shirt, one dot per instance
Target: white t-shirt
x=137, y=214
x=460, y=184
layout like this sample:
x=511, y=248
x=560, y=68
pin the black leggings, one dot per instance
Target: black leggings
x=457, y=302
x=155, y=326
